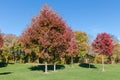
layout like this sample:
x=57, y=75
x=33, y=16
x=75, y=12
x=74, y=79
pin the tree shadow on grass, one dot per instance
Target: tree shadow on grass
x=5, y=73
x=42, y=67
x=86, y=65
x=2, y=64
x=11, y=63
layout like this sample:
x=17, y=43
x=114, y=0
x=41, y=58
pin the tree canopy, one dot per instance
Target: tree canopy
x=103, y=44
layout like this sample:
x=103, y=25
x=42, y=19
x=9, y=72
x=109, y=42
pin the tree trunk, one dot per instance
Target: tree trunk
x=6, y=59
x=72, y=61
x=15, y=58
x=54, y=62
x=103, y=63
x=54, y=66
x=46, y=67
x=29, y=59
x=38, y=60
x=113, y=61
x=21, y=60
x=86, y=60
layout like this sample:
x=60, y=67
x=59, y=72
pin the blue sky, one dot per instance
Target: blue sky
x=90, y=16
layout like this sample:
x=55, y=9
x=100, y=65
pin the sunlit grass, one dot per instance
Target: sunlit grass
x=64, y=72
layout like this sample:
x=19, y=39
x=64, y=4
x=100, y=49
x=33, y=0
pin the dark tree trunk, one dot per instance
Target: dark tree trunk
x=72, y=61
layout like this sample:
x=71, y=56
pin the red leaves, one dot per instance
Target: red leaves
x=103, y=44
x=72, y=48
x=27, y=37
x=48, y=31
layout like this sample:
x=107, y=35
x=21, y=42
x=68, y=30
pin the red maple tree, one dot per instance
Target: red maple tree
x=49, y=32
x=72, y=47
x=103, y=44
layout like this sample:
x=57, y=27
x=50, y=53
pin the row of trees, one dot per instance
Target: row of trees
x=13, y=51
x=49, y=39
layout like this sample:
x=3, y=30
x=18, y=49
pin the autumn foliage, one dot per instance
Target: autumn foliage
x=103, y=44
x=50, y=32
x=82, y=42
x=72, y=47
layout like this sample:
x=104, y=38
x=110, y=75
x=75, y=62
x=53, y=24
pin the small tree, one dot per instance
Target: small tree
x=72, y=47
x=103, y=45
x=8, y=51
x=82, y=39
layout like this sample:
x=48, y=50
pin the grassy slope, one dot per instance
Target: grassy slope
x=22, y=72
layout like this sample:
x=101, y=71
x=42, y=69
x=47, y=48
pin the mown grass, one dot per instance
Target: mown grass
x=64, y=72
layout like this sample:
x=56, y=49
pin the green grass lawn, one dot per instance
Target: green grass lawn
x=64, y=72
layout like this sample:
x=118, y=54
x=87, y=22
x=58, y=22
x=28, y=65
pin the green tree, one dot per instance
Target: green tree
x=9, y=41
x=116, y=52
x=82, y=41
